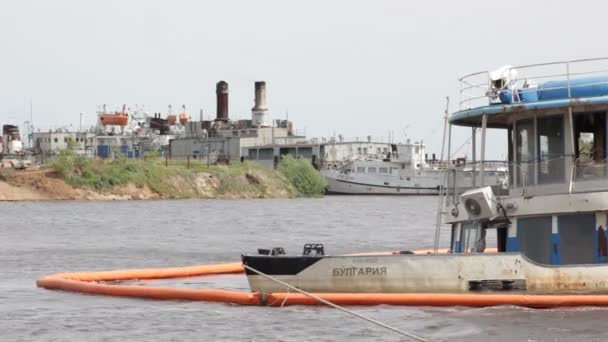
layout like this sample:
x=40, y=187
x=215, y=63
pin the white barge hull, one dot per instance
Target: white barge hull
x=453, y=273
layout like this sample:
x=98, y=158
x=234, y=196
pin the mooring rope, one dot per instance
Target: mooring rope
x=335, y=306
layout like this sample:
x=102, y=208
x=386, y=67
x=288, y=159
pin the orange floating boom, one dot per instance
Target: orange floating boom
x=151, y=292
x=95, y=283
x=440, y=299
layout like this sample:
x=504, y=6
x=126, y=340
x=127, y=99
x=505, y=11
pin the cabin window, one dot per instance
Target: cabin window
x=585, y=146
x=360, y=169
x=454, y=239
x=525, y=152
x=577, y=238
x=472, y=237
x=371, y=170
x=383, y=169
x=589, y=136
x=534, y=235
x=550, y=150
x=589, y=145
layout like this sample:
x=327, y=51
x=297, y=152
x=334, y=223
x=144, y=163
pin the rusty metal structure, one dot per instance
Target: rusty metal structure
x=221, y=91
x=10, y=140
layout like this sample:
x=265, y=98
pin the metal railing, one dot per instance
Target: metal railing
x=589, y=175
x=478, y=90
x=468, y=176
x=560, y=174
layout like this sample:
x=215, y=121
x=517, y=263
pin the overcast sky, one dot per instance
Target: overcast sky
x=352, y=67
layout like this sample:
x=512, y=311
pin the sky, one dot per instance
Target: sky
x=349, y=67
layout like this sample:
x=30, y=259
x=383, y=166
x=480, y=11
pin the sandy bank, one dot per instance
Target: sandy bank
x=47, y=185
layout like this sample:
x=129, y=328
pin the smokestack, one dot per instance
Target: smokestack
x=260, y=109
x=221, y=90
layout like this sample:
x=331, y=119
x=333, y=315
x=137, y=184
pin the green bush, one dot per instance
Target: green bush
x=303, y=176
x=81, y=170
x=63, y=163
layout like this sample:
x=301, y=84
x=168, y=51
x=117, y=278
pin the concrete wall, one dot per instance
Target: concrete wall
x=265, y=155
x=194, y=147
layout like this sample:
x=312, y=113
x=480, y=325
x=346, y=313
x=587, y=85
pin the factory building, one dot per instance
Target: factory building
x=264, y=141
x=51, y=142
x=228, y=138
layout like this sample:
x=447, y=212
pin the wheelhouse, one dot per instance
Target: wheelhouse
x=554, y=206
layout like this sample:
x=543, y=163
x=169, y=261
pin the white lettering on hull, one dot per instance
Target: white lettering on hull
x=358, y=271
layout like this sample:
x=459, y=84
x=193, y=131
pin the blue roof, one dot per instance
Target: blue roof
x=472, y=116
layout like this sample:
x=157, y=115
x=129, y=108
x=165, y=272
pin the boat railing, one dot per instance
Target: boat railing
x=478, y=89
x=548, y=175
x=590, y=175
x=467, y=176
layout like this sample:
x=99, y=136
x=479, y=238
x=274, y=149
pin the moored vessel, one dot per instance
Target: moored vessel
x=548, y=221
x=406, y=171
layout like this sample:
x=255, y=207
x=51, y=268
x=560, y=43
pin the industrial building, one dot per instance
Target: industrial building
x=228, y=138
x=51, y=142
x=130, y=133
x=262, y=140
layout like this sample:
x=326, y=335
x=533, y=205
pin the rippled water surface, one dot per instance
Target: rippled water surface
x=48, y=237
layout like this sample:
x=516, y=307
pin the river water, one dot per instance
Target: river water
x=40, y=238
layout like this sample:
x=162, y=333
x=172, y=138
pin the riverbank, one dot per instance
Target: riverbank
x=73, y=178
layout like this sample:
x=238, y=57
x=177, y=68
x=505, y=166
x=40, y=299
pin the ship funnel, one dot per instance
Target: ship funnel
x=260, y=109
x=221, y=91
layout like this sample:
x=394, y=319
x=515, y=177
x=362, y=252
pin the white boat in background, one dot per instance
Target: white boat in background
x=382, y=177
x=406, y=171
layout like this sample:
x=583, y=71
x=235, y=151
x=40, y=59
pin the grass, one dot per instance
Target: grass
x=82, y=171
x=239, y=180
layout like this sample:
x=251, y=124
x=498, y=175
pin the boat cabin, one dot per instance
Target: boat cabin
x=554, y=207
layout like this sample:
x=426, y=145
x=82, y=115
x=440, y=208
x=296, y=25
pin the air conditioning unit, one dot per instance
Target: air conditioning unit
x=480, y=203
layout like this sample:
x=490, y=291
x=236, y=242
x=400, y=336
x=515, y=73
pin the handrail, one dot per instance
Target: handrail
x=478, y=85
x=581, y=175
